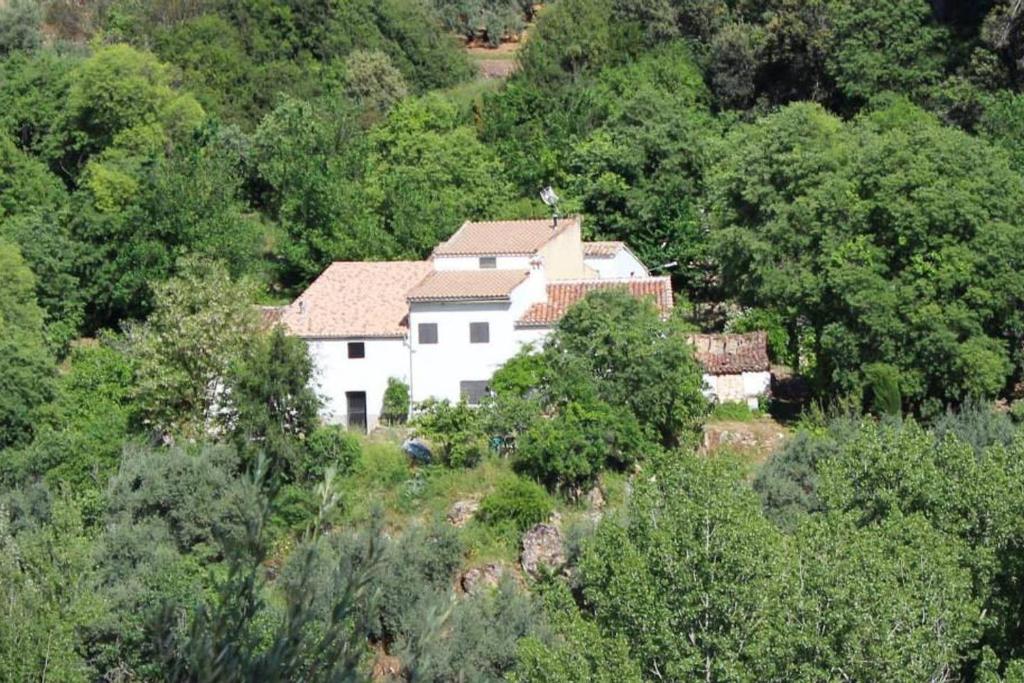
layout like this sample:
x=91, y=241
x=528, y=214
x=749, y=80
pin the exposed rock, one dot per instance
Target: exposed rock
x=595, y=499
x=543, y=546
x=462, y=511
x=386, y=667
x=482, y=578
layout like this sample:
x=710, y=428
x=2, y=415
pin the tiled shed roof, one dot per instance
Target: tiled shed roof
x=602, y=249
x=503, y=238
x=562, y=295
x=467, y=285
x=270, y=315
x=356, y=299
x=731, y=354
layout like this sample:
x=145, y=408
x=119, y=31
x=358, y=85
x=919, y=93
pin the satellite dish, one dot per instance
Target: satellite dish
x=548, y=196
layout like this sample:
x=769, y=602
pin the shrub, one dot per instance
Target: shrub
x=570, y=449
x=519, y=502
x=331, y=446
x=396, y=402
x=976, y=424
x=883, y=385
x=455, y=430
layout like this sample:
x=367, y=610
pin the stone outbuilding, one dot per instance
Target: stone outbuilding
x=736, y=366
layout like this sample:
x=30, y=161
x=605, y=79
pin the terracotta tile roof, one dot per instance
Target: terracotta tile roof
x=562, y=295
x=467, y=285
x=503, y=238
x=269, y=315
x=731, y=354
x=356, y=299
x=602, y=249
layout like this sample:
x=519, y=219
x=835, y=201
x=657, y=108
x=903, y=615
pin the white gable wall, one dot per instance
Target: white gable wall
x=336, y=374
x=624, y=264
x=747, y=387
x=438, y=369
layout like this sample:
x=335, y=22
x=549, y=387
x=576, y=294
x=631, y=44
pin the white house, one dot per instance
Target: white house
x=443, y=326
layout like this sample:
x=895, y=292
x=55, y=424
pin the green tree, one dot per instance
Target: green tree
x=312, y=158
x=637, y=359
x=579, y=651
x=887, y=602
x=850, y=221
x=201, y=326
x=138, y=210
x=692, y=579
x=79, y=436
x=47, y=583
x=20, y=26
x=271, y=406
x=27, y=379
x=428, y=172
x=373, y=81
x=885, y=46
x=119, y=88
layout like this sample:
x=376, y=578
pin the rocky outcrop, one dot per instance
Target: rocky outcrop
x=482, y=578
x=462, y=511
x=543, y=546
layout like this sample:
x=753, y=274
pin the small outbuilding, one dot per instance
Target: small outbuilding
x=736, y=366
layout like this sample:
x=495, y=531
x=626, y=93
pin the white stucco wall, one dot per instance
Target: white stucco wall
x=748, y=387
x=336, y=374
x=438, y=369
x=532, y=336
x=473, y=262
x=623, y=264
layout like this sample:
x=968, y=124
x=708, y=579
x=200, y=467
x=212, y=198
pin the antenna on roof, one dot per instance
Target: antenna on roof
x=548, y=196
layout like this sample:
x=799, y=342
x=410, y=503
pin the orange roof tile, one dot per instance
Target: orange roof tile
x=602, y=249
x=508, y=238
x=562, y=295
x=270, y=316
x=356, y=299
x=731, y=354
x=467, y=285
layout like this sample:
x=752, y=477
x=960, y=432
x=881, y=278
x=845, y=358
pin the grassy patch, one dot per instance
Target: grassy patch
x=733, y=411
x=466, y=95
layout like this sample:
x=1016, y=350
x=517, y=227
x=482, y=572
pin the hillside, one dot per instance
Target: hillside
x=844, y=176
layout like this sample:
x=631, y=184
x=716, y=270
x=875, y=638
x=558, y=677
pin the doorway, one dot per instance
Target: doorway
x=356, y=401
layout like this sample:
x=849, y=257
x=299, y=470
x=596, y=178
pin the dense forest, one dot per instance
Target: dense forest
x=847, y=175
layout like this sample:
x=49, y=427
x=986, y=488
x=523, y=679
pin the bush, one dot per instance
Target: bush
x=569, y=450
x=331, y=446
x=883, y=389
x=455, y=431
x=396, y=402
x=519, y=502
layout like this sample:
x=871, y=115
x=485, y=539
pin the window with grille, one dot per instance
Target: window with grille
x=479, y=333
x=473, y=392
x=428, y=333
